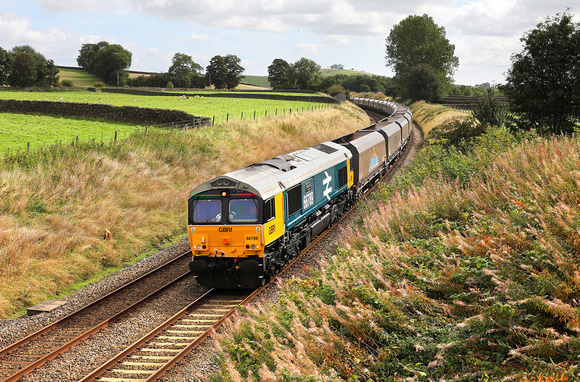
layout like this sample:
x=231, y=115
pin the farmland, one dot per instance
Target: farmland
x=201, y=106
x=19, y=130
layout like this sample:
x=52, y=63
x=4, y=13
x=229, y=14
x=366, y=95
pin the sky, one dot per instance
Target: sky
x=486, y=33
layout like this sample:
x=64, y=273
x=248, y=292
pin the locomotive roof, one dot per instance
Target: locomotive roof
x=270, y=177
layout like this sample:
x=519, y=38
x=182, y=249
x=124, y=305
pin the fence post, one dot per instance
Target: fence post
x=28, y=147
x=115, y=136
x=242, y=118
x=213, y=120
x=227, y=117
x=77, y=140
x=254, y=115
x=290, y=111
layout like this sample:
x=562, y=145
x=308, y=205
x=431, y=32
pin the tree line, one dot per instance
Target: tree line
x=541, y=90
x=23, y=66
x=542, y=87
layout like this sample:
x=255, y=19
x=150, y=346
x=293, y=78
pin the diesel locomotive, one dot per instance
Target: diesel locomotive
x=245, y=226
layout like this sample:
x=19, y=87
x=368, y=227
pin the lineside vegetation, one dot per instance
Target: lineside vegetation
x=465, y=268
x=56, y=203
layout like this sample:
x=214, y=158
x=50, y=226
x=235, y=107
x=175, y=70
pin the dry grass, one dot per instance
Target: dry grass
x=428, y=116
x=57, y=204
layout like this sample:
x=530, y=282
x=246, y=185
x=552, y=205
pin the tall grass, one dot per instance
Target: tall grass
x=56, y=203
x=442, y=280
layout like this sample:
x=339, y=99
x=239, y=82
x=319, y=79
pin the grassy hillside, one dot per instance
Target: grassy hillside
x=468, y=272
x=334, y=72
x=79, y=77
x=259, y=81
x=57, y=202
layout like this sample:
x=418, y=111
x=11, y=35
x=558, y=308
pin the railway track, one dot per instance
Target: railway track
x=375, y=116
x=33, y=351
x=150, y=357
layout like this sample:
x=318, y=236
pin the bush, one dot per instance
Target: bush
x=99, y=84
x=491, y=110
x=169, y=85
x=336, y=89
x=67, y=83
x=457, y=133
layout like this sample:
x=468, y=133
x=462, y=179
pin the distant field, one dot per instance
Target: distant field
x=79, y=77
x=261, y=81
x=19, y=129
x=334, y=72
x=200, y=106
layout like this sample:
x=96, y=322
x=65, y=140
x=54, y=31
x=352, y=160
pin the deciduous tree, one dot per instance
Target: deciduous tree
x=418, y=46
x=5, y=66
x=110, y=63
x=183, y=69
x=543, y=84
x=306, y=73
x=23, y=70
x=224, y=72
x=279, y=73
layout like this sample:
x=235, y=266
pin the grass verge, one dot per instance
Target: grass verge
x=472, y=277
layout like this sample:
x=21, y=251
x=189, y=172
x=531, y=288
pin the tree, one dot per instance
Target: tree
x=23, y=70
x=306, y=74
x=543, y=84
x=183, y=69
x=87, y=54
x=224, y=72
x=5, y=66
x=45, y=70
x=111, y=62
x=279, y=73
x=418, y=45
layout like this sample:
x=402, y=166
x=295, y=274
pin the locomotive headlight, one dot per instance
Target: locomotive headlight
x=253, y=246
x=198, y=247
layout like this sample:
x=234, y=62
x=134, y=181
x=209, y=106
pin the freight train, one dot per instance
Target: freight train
x=245, y=226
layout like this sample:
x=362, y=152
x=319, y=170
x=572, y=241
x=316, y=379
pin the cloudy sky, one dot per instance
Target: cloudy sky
x=348, y=32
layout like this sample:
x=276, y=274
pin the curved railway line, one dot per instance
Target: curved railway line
x=148, y=358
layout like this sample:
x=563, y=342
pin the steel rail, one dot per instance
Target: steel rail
x=165, y=325
x=94, y=329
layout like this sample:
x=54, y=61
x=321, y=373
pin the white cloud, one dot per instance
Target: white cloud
x=337, y=40
x=17, y=29
x=306, y=48
x=200, y=36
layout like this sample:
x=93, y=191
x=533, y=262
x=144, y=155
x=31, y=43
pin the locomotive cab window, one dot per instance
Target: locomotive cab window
x=207, y=211
x=269, y=210
x=243, y=210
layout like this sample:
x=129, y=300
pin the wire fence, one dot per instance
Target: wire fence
x=120, y=134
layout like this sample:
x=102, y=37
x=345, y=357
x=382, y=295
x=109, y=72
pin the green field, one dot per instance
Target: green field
x=19, y=129
x=200, y=106
x=79, y=77
x=335, y=72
